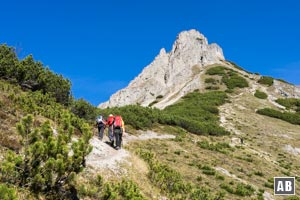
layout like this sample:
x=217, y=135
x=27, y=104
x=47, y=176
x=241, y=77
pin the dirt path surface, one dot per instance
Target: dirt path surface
x=104, y=157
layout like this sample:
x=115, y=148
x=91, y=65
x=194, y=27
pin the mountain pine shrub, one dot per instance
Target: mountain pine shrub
x=32, y=75
x=233, y=80
x=266, y=80
x=7, y=193
x=260, y=94
x=219, y=70
x=221, y=147
x=196, y=112
x=229, y=77
x=293, y=118
x=290, y=103
x=48, y=162
x=240, y=190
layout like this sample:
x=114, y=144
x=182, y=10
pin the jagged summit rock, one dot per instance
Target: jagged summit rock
x=171, y=75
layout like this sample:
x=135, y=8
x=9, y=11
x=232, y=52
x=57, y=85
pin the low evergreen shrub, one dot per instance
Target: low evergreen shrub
x=260, y=95
x=293, y=118
x=229, y=77
x=7, y=193
x=266, y=80
x=195, y=112
x=235, y=81
x=47, y=163
x=219, y=70
x=290, y=103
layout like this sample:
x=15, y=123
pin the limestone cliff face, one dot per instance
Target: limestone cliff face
x=171, y=75
x=286, y=90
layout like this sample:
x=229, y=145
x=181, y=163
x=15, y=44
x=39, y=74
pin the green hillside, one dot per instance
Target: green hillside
x=220, y=150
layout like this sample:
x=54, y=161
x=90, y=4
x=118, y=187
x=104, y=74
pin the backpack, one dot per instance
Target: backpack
x=118, y=122
x=100, y=119
x=110, y=120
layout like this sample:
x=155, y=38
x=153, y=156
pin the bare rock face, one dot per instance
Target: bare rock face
x=286, y=90
x=171, y=75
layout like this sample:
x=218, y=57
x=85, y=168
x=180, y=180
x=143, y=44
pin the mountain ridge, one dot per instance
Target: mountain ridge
x=171, y=75
x=168, y=71
x=216, y=144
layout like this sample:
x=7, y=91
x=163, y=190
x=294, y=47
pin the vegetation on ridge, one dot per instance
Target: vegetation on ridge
x=229, y=77
x=266, y=80
x=196, y=112
x=293, y=118
x=260, y=94
x=191, y=166
x=290, y=103
x=45, y=164
x=33, y=75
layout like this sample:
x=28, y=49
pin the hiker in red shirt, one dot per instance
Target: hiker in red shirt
x=110, y=122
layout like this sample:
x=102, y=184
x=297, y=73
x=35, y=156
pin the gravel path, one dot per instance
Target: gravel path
x=104, y=157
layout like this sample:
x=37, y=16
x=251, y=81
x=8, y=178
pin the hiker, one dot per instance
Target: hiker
x=110, y=122
x=119, y=129
x=101, y=124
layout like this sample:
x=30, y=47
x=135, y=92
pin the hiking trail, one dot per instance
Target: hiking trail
x=104, y=157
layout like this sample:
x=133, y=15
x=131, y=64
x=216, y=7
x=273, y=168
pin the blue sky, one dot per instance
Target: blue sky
x=102, y=45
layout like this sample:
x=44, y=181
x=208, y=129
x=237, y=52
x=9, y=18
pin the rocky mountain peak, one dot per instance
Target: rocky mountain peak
x=171, y=75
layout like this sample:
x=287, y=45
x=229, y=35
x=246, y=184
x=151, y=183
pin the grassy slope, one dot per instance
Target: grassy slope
x=256, y=162
x=261, y=157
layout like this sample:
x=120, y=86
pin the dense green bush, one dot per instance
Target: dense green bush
x=47, y=163
x=260, y=94
x=266, y=80
x=235, y=81
x=196, y=112
x=33, y=75
x=240, y=190
x=219, y=70
x=208, y=170
x=126, y=190
x=96, y=188
x=269, y=183
x=7, y=193
x=137, y=116
x=290, y=103
x=83, y=109
x=293, y=118
x=244, y=190
x=219, y=147
x=229, y=77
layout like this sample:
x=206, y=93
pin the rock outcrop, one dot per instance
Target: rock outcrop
x=171, y=75
x=286, y=90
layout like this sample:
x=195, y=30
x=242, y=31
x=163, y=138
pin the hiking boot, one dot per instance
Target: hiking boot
x=117, y=148
x=112, y=143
